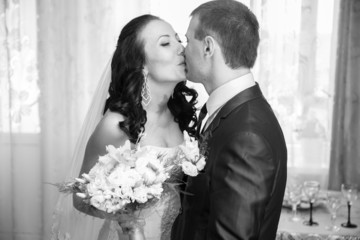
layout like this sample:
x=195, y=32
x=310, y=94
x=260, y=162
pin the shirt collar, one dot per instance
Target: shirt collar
x=227, y=91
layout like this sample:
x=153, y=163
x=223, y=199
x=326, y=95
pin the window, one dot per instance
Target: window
x=19, y=106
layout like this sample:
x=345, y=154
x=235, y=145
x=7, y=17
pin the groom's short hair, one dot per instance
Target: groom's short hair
x=234, y=26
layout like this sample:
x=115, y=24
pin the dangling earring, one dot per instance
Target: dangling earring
x=145, y=92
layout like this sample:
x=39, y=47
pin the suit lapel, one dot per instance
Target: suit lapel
x=239, y=99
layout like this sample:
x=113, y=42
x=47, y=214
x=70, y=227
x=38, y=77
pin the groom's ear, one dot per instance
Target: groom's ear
x=209, y=46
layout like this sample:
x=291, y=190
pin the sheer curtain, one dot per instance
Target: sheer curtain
x=51, y=57
x=20, y=170
x=345, y=151
x=294, y=70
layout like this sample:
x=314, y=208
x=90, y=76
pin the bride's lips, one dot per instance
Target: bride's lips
x=183, y=62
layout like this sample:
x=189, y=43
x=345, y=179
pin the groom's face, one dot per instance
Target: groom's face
x=194, y=54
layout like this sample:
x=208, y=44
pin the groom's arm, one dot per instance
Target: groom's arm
x=242, y=181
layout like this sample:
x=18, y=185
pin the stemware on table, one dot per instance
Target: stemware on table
x=294, y=194
x=311, y=190
x=333, y=202
x=350, y=193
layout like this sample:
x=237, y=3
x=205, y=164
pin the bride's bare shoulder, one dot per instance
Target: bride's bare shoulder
x=108, y=132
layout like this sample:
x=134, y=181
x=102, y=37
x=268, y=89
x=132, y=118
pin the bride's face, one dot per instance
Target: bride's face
x=164, y=52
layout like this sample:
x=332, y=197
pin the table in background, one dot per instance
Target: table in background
x=288, y=230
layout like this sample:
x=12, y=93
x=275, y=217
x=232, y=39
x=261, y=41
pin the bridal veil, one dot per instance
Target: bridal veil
x=68, y=223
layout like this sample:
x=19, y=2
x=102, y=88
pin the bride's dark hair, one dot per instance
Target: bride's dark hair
x=127, y=80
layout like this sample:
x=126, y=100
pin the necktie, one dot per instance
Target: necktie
x=202, y=115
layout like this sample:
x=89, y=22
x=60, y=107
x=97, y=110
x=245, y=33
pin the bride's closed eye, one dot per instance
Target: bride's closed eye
x=164, y=44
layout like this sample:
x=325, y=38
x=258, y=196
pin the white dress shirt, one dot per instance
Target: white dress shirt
x=223, y=94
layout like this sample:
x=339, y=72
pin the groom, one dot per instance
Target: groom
x=240, y=193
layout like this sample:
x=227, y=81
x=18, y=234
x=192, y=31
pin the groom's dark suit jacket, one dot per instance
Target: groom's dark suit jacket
x=240, y=193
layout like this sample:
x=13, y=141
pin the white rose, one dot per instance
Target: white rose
x=190, y=151
x=92, y=188
x=149, y=176
x=100, y=181
x=108, y=194
x=128, y=177
x=126, y=192
x=189, y=169
x=201, y=163
x=117, y=207
x=140, y=194
x=156, y=190
x=155, y=162
x=106, y=167
x=122, y=154
x=141, y=163
x=105, y=159
x=160, y=178
x=108, y=205
x=95, y=171
x=114, y=205
x=98, y=201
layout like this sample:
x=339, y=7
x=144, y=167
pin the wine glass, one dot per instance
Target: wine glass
x=294, y=193
x=333, y=202
x=311, y=190
x=350, y=194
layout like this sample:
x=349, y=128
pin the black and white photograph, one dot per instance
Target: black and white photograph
x=179, y=120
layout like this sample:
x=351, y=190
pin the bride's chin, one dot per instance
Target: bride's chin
x=182, y=79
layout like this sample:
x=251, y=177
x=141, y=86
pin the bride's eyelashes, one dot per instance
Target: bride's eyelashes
x=168, y=39
x=168, y=43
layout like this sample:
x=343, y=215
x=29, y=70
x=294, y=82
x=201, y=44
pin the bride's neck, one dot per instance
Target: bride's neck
x=159, y=100
x=160, y=93
x=158, y=105
x=157, y=112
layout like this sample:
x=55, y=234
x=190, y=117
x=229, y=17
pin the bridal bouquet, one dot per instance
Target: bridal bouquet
x=127, y=179
x=122, y=176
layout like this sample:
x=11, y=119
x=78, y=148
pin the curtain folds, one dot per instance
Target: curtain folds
x=293, y=69
x=345, y=151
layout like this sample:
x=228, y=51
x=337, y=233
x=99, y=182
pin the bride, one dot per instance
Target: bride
x=148, y=102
